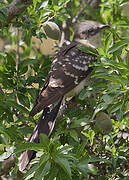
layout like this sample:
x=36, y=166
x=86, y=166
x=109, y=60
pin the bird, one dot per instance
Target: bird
x=69, y=69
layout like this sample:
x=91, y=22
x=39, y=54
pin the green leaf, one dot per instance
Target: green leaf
x=64, y=164
x=11, y=60
x=115, y=107
x=83, y=166
x=53, y=173
x=7, y=154
x=3, y=15
x=115, y=79
x=3, y=54
x=97, y=159
x=108, y=99
x=87, y=50
x=4, y=134
x=13, y=104
x=24, y=100
x=56, y=8
x=38, y=172
x=74, y=135
x=28, y=146
x=121, y=65
x=124, y=2
x=27, y=62
x=84, y=94
x=34, y=3
x=33, y=93
x=90, y=134
x=44, y=140
x=127, y=59
x=108, y=42
x=13, y=134
x=43, y=167
x=31, y=172
x=118, y=45
x=80, y=122
x=45, y=170
x=81, y=147
x=92, y=169
x=65, y=149
x=44, y=158
x=44, y=4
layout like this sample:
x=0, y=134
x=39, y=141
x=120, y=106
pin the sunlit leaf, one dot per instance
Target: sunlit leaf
x=118, y=45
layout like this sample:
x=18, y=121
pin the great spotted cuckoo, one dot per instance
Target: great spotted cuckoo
x=70, y=67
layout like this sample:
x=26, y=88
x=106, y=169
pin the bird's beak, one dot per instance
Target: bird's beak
x=103, y=26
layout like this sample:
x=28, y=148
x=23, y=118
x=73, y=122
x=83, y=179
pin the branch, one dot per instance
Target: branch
x=126, y=113
x=15, y=9
x=7, y=165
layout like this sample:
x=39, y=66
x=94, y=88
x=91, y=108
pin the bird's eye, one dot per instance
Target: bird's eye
x=93, y=31
x=84, y=32
x=90, y=30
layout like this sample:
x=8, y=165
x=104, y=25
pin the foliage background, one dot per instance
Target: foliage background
x=76, y=149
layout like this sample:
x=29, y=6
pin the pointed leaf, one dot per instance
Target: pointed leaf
x=115, y=79
x=87, y=49
x=44, y=140
x=92, y=169
x=118, y=45
x=13, y=103
x=43, y=159
x=28, y=146
x=30, y=173
x=43, y=170
x=64, y=164
x=4, y=54
x=74, y=135
x=83, y=166
x=34, y=3
x=53, y=173
x=24, y=100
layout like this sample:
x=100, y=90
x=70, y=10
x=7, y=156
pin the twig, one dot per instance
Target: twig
x=15, y=9
x=74, y=20
x=18, y=52
x=126, y=113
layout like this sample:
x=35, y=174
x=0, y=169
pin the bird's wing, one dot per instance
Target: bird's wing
x=67, y=71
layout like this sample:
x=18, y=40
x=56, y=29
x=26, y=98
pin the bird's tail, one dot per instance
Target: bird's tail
x=45, y=125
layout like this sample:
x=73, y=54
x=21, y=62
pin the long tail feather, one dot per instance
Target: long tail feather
x=45, y=125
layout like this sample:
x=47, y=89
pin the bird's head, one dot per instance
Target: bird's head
x=89, y=33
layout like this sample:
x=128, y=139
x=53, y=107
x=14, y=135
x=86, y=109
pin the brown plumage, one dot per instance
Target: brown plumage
x=60, y=81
